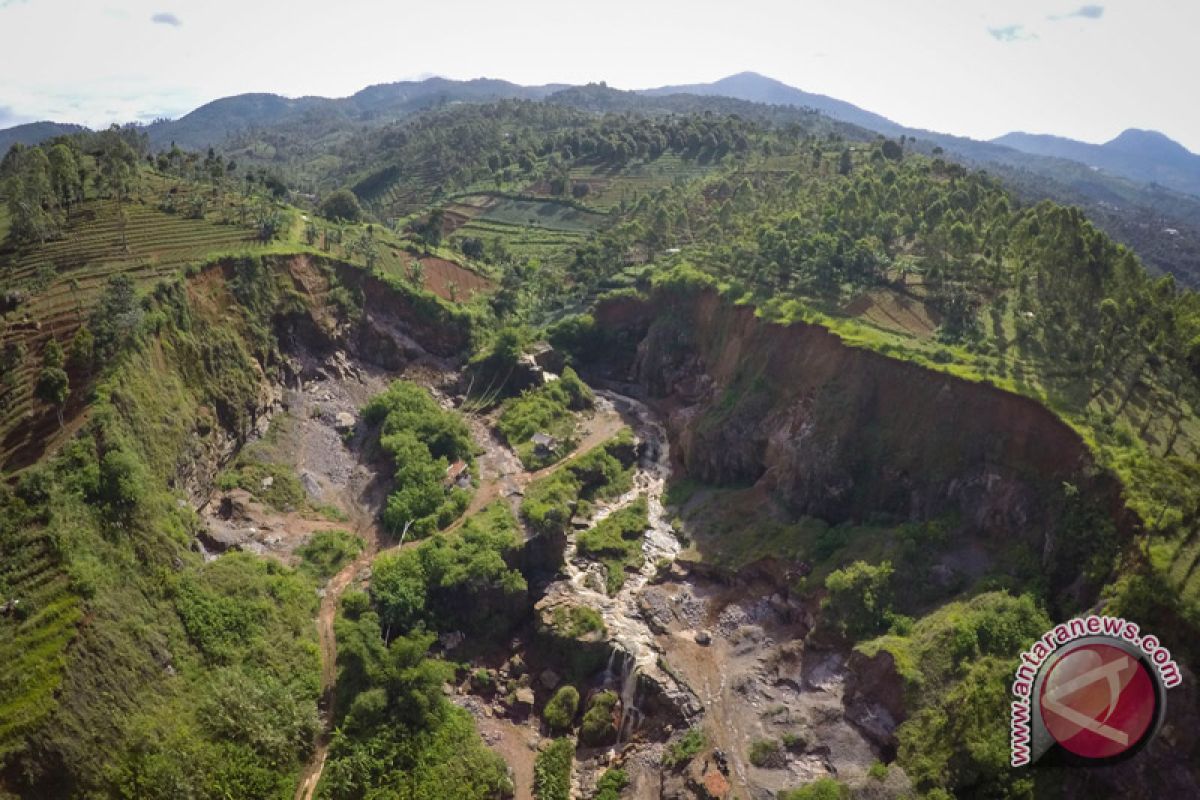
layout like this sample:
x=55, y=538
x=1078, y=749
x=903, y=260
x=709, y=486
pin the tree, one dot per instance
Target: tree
x=845, y=163
x=27, y=186
x=859, y=599
x=66, y=180
x=341, y=206
x=117, y=174
x=82, y=351
x=53, y=387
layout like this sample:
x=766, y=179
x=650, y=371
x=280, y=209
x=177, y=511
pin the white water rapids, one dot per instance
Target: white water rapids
x=634, y=651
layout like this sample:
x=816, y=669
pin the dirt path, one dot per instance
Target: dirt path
x=500, y=475
x=311, y=776
x=500, y=472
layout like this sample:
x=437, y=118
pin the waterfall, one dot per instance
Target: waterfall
x=631, y=715
x=633, y=658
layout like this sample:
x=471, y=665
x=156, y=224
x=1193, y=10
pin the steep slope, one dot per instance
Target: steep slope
x=788, y=421
x=844, y=433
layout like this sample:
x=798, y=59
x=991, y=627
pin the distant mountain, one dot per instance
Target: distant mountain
x=1142, y=187
x=1146, y=156
x=761, y=89
x=35, y=133
x=213, y=123
x=1158, y=216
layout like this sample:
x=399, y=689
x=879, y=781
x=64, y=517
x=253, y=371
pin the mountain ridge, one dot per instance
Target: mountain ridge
x=1143, y=155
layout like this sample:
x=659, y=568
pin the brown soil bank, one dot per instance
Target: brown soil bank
x=844, y=433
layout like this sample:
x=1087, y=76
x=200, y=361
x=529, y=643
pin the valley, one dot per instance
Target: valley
x=582, y=445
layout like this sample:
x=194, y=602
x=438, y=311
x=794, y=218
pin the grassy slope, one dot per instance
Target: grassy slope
x=127, y=626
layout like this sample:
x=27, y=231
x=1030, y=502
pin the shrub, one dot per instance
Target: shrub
x=603, y=472
x=547, y=408
x=617, y=541
x=552, y=771
x=461, y=582
x=422, y=439
x=326, y=552
x=859, y=598
x=559, y=713
x=822, y=789
x=355, y=603
x=767, y=753
x=578, y=621
x=683, y=749
x=793, y=741
x=599, y=722
x=610, y=785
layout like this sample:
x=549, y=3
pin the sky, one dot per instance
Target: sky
x=978, y=68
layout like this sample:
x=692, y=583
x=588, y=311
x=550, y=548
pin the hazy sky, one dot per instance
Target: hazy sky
x=974, y=67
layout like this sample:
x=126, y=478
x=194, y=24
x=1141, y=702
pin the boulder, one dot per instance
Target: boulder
x=343, y=421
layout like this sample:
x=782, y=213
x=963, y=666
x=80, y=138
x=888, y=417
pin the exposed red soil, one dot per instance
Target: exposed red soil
x=442, y=274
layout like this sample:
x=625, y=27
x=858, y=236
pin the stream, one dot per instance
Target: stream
x=634, y=653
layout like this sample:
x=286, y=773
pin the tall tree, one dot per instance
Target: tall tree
x=66, y=179
x=26, y=185
x=117, y=174
x=53, y=387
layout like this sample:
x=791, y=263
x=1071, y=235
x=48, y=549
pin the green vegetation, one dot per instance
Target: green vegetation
x=611, y=784
x=546, y=409
x=767, y=753
x=397, y=732
x=276, y=485
x=682, y=750
x=560, y=711
x=341, y=206
x=326, y=552
x=578, y=621
x=552, y=771
x=858, y=602
x=422, y=441
x=820, y=789
x=603, y=472
x=600, y=720
x=960, y=657
x=617, y=542
x=460, y=581
x=140, y=307
x=197, y=678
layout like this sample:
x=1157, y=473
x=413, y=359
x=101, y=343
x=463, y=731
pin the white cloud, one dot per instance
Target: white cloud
x=166, y=18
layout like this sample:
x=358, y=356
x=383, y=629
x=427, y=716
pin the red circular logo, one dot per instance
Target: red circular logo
x=1097, y=701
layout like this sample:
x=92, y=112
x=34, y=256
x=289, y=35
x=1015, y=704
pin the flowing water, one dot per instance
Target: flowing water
x=634, y=652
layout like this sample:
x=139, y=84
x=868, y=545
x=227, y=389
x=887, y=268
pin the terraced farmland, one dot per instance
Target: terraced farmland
x=545, y=230
x=54, y=285
x=607, y=187
x=38, y=620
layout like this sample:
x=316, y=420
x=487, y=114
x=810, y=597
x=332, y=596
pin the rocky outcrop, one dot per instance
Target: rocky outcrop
x=841, y=432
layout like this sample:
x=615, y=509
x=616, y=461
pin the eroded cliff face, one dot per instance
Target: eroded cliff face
x=844, y=433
